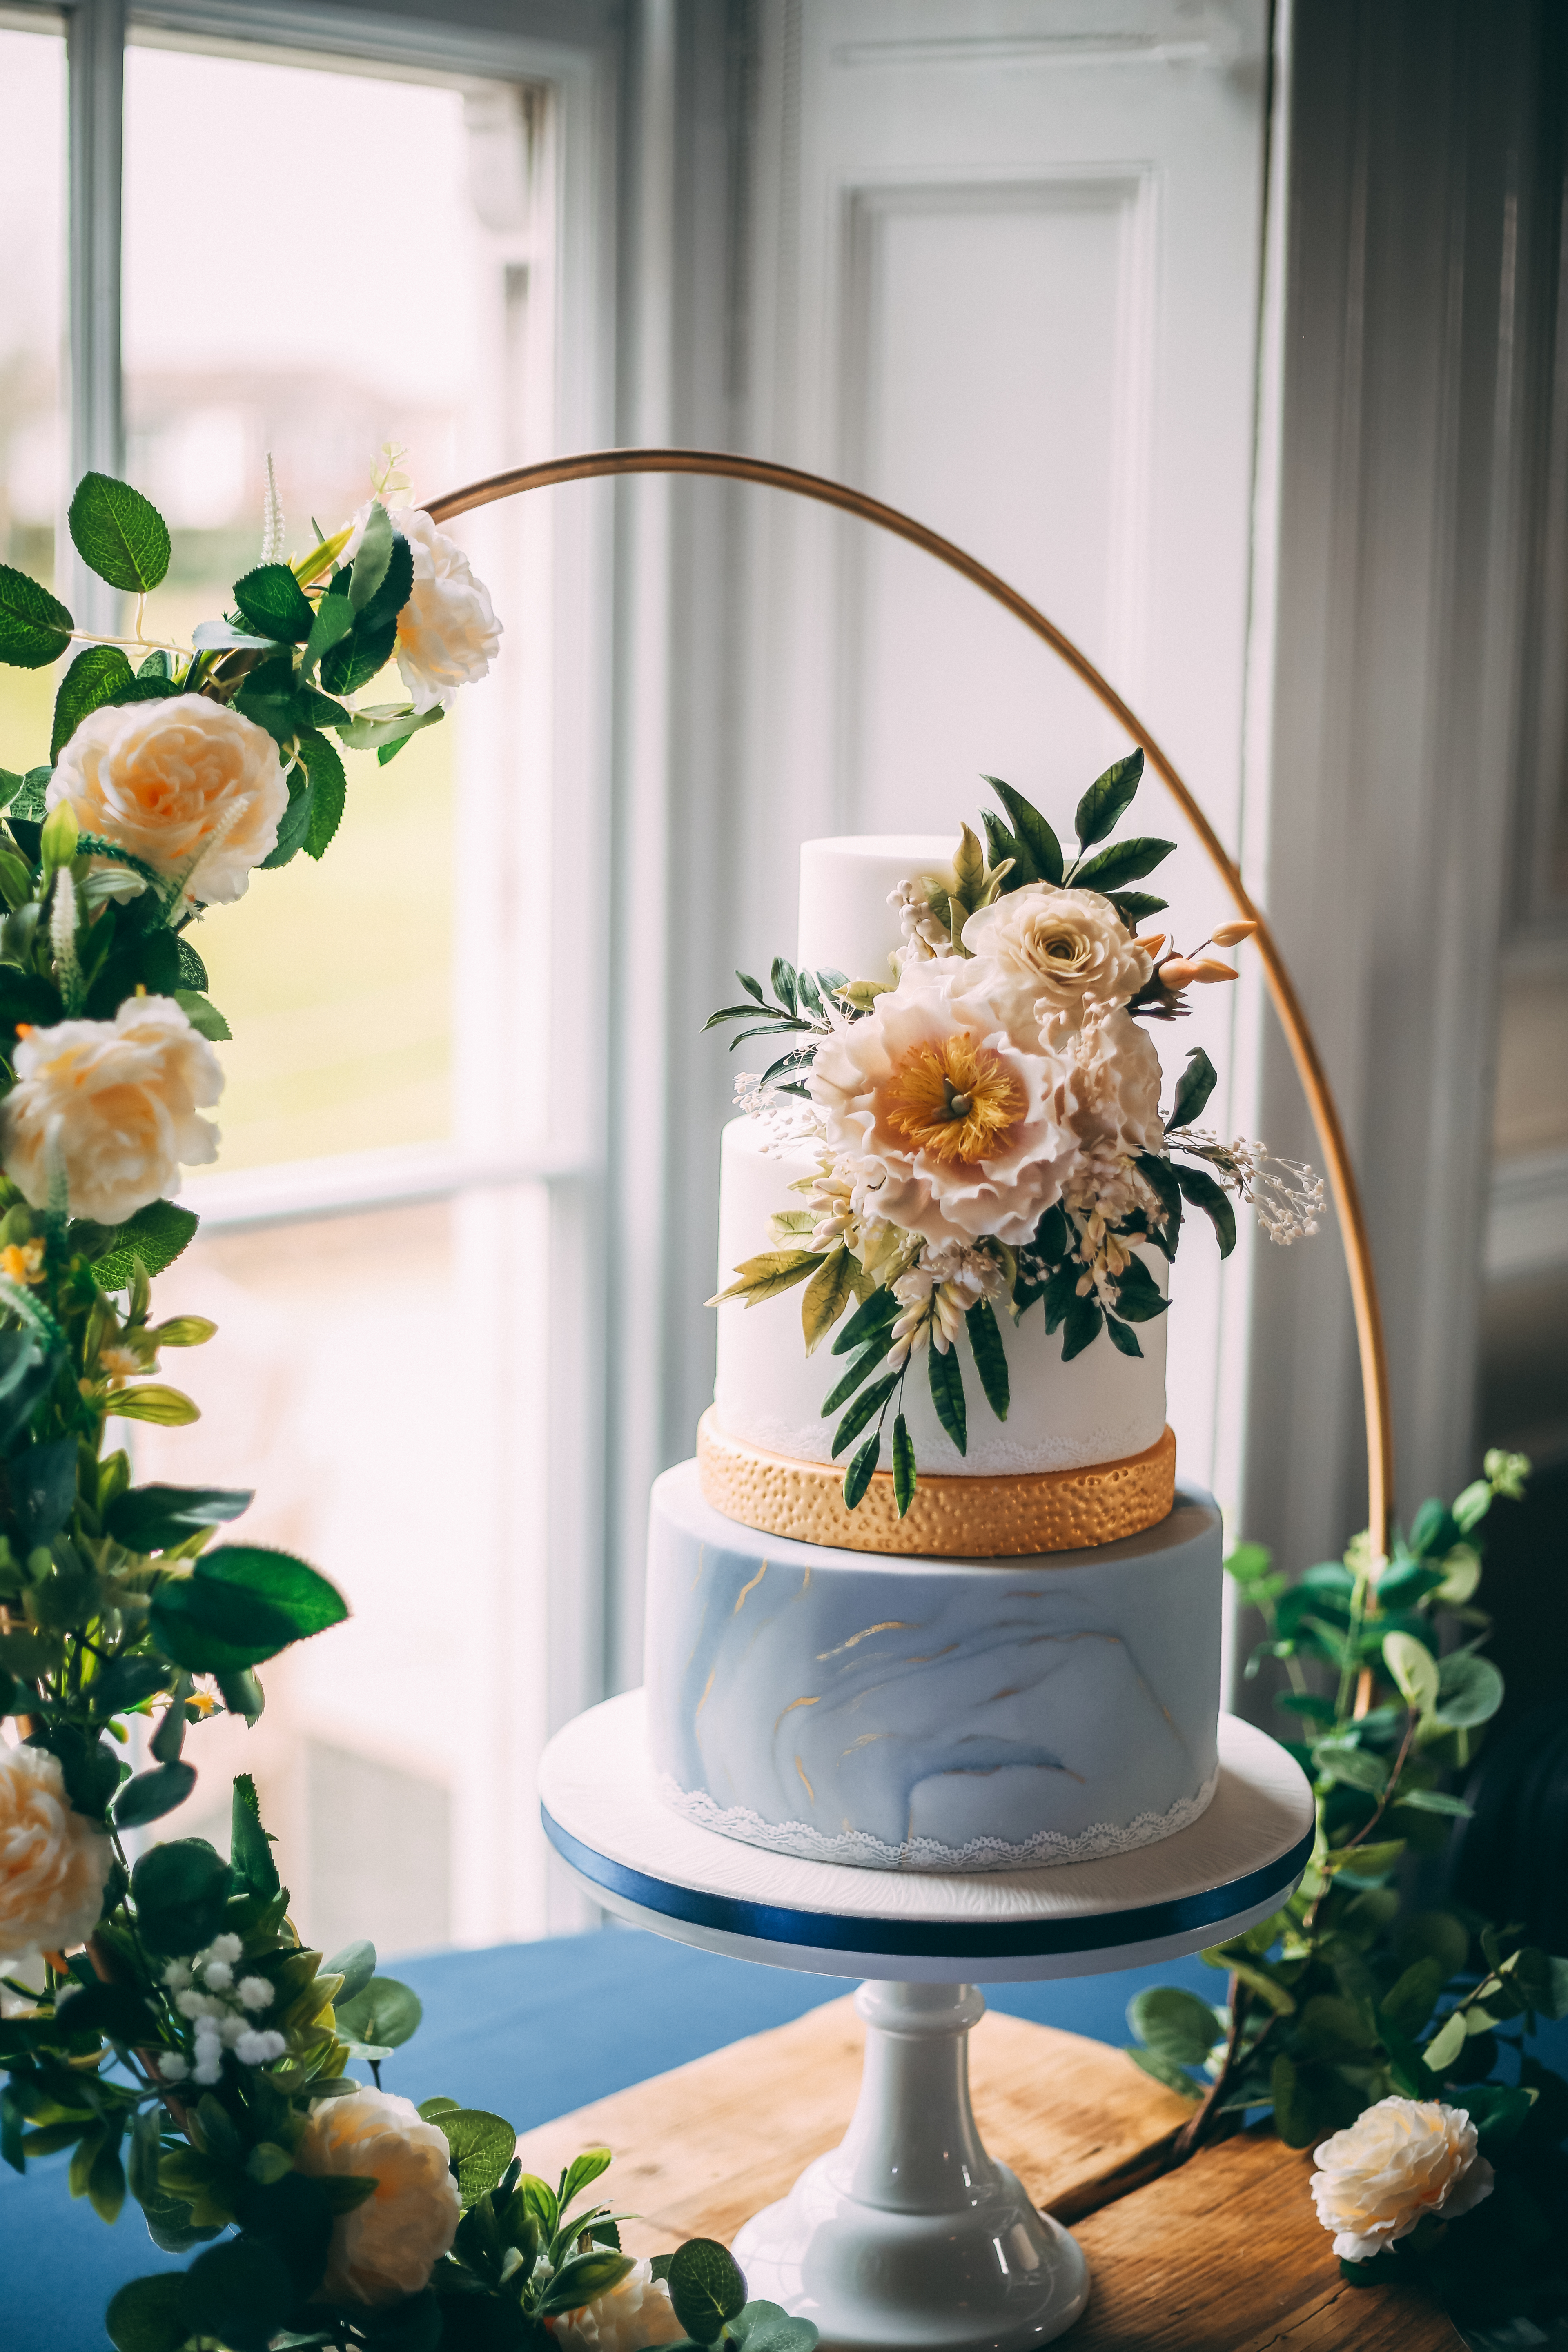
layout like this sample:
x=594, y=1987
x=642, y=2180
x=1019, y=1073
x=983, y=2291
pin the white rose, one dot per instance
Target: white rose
x=1061, y=953
x=1402, y=2158
x=635, y=2312
x=53, y=1862
x=931, y=1096
x=176, y=780
x=387, y=2247
x=1108, y=1094
x=448, y=632
x=113, y=1105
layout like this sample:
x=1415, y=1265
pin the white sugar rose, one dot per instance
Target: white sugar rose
x=448, y=632
x=187, y=785
x=946, y=1115
x=1401, y=2159
x=1108, y=1095
x=113, y=1105
x=635, y=2312
x=53, y=1862
x=1063, y=953
x=387, y=2247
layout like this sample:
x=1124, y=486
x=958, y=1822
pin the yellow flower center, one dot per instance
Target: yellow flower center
x=957, y=1100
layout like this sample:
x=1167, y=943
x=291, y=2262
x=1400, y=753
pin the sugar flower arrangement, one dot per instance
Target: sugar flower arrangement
x=159, y=2016
x=988, y=1122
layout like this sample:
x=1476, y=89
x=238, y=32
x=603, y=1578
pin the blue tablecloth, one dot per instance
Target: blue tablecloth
x=528, y=2031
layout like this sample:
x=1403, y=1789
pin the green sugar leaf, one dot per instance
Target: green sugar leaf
x=1124, y=861
x=866, y=1405
x=947, y=1393
x=990, y=1355
x=1107, y=797
x=873, y=1317
x=859, y=1475
x=118, y=534
x=1123, y=1336
x=98, y=675
x=1040, y=845
x=827, y=1293
x=34, y=627
x=903, y=1465
x=1135, y=907
x=273, y=598
x=1138, y=1297
x=1202, y=1192
x=1081, y=1324
x=1197, y=1082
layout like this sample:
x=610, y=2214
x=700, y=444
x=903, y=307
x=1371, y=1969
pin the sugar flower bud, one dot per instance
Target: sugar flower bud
x=53, y=1860
x=1401, y=2159
x=113, y=1105
x=1209, y=968
x=1230, y=935
x=187, y=785
x=387, y=2247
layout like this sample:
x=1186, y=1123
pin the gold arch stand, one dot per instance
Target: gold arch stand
x=1370, y=1339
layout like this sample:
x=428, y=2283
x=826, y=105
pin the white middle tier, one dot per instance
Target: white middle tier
x=1099, y=1408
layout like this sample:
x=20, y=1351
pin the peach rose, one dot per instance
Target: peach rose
x=187, y=785
x=113, y=1105
x=1402, y=2158
x=448, y=632
x=53, y=1860
x=387, y=2247
x=636, y=2312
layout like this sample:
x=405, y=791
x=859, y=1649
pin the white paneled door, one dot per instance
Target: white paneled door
x=1006, y=273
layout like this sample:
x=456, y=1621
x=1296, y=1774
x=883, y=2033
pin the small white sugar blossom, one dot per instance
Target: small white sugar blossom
x=1287, y=1196
x=228, y=1948
x=784, y=1119
x=255, y=1992
x=173, y=2066
x=258, y=2049
x=176, y=1974
x=1399, y=2161
x=217, y=1975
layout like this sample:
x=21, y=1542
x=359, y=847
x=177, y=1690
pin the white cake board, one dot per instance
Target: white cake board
x=909, y=2234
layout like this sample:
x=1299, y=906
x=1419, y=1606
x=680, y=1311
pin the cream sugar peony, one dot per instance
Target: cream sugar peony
x=1401, y=2159
x=387, y=2247
x=187, y=786
x=53, y=1860
x=112, y=1105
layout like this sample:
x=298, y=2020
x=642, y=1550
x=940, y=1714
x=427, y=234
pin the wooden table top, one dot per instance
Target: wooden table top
x=1225, y=2254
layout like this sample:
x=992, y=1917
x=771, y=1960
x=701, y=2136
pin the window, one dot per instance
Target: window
x=405, y=1361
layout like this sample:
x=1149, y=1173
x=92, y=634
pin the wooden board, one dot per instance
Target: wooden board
x=1224, y=2255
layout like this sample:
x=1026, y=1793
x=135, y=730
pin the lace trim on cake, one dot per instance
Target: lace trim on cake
x=859, y=1850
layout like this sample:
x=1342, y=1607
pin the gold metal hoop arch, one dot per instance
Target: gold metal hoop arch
x=1309, y=1063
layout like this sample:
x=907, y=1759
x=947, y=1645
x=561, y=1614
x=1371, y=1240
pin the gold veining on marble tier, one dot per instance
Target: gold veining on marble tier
x=955, y=1518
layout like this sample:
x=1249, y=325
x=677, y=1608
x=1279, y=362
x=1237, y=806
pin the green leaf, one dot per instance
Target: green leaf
x=118, y=534
x=1409, y=2002
x=1434, y=1800
x=148, y=1796
x=868, y=1404
x=990, y=1355
x=251, y=1847
x=154, y=1519
x=867, y=1361
x=356, y=1965
x=239, y=1606
x=1081, y=1324
x=1135, y=907
x=1176, y=2023
x=1354, y=1767
x=180, y=1890
x=903, y=1465
x=241, y=2291
x=1196, y=1083
x=874, y=1317
x=366, y=734
x=154, y=1401
x=149, y=2314
x=1414, y=1670
x=482, y=2146
x=383, y=2010
x=273, y=598
x=1296, y=2119
x=859, y=1475
x=1446, y=2043
x=947, y=1393
x=583, y=2278
x=193, y=972
x=1107, y=797
x=589, y=2165
x=368, y=569
x=1138, y=1297
x=1044, y=851
x=765, y=1275
x=1164, y=2070
x=707, y=2286
x=329, y=791
x=203, y=1016
x=827, y=1293
x=156, y=1236
x=762, y=2327
x=1470, y=1691
x=1124, y=861
x=1006, y=847
x=1204, y=1193
x=98, y=674
x=34, y=627
x=1123, y=1336
x=105, y=2179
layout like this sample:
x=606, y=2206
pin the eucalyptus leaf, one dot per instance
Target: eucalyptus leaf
x=383, y=2010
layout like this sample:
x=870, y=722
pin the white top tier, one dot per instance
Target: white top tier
x=845, y=922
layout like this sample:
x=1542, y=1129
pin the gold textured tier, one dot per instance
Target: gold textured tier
x=950, y=1519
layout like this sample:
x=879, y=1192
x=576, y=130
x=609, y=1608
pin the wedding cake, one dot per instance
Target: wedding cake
x=1002, y=1648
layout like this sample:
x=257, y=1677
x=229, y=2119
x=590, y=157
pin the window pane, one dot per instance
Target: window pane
x=32, y=346
x=360, y=315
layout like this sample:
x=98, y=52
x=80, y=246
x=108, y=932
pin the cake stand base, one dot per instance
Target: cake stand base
x=908, y=2237
x=909, y=2234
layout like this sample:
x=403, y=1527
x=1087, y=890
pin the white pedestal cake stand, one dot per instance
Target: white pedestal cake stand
x=909, y=2234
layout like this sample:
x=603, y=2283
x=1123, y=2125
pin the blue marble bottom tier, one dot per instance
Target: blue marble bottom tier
x=933, y=1715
